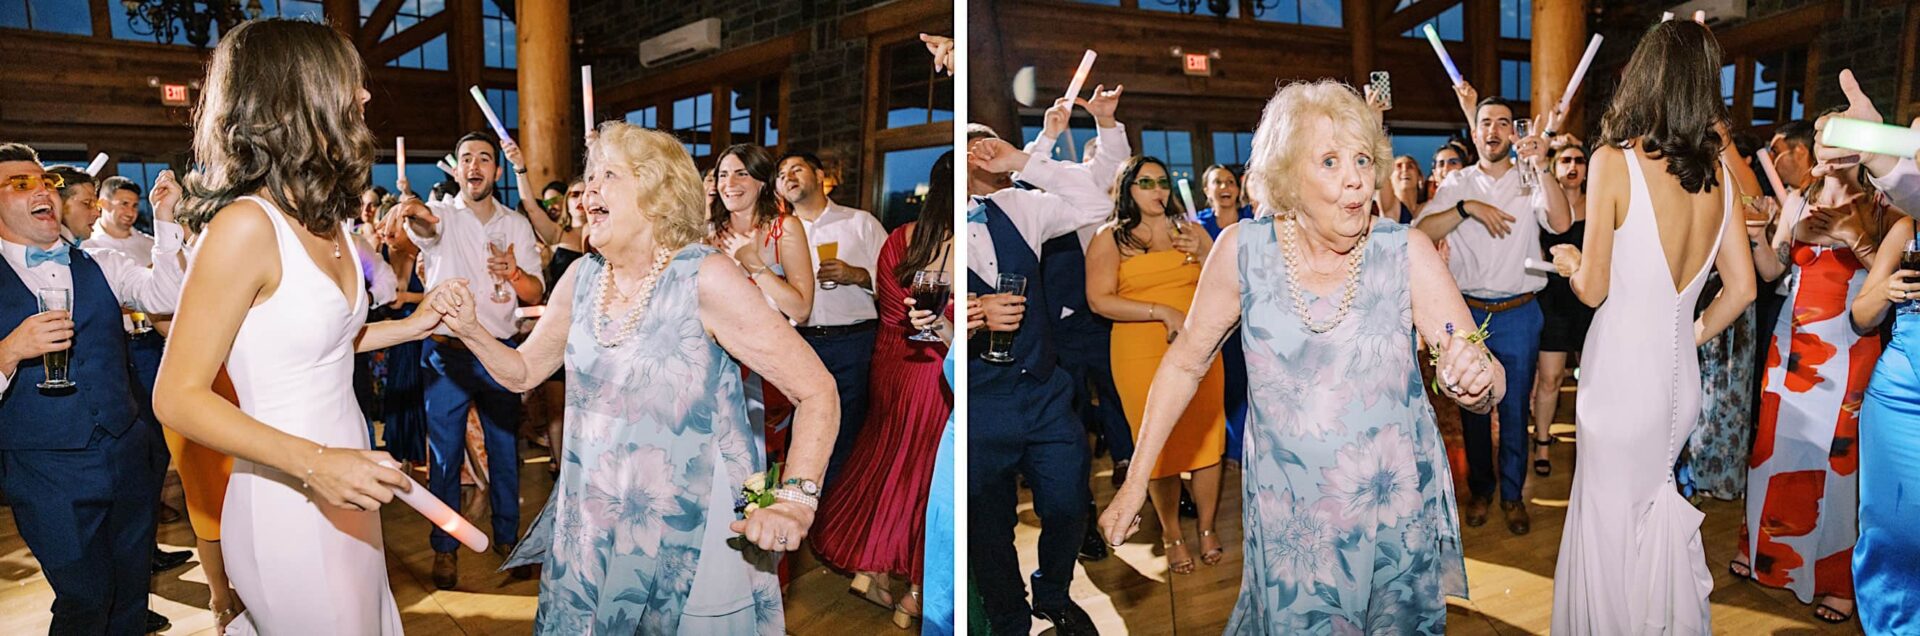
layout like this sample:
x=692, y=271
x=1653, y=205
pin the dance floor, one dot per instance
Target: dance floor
x=1509, y=578
x=486, y=602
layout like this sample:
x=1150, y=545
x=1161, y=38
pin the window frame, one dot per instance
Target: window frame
x=878, y=140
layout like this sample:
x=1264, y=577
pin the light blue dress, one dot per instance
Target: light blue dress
x=1886, y=559
x=1351, y=525
x=634, y=536
x=936, y=608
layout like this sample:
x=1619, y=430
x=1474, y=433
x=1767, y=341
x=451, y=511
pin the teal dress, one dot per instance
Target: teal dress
x=634, y=536
x=1351, y=525
x=1886, y=559
x=936, y=608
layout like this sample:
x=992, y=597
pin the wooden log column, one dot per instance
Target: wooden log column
x=548, y=88
x=989, y=80
x=1559, y=38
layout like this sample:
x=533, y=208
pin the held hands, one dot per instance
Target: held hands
x=38, y=335
x=454, y=306
x=780, y=527
x=165, y=196
x=1566, y=260
x=1466, y=374
x=1003, y=312
x=353, y=479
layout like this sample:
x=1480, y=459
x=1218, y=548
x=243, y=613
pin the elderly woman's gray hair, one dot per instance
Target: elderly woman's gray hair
x=1279, y=151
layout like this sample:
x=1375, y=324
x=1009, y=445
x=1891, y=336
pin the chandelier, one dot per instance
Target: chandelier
x=165, y=19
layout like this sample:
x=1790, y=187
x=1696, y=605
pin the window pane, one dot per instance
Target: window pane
x=1516, y=80
x=501, y=36
x=1726, y=84
x=648, y=117
x=506, y=104
x=693, y=123
x=1450, y=24
x=1066, y=147
x=904, y=175
x=1174, y=147
x=59, y=16
x=421, y=175
x=913, y=93
x=1516, y=19
x=1215, y=8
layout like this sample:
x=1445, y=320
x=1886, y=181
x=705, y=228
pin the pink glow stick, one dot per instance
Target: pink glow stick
x=400, y=155
x=1773, y=176
x=439, y=514
x=586, y=92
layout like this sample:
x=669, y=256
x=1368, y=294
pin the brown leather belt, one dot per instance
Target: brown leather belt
x=1493, y=308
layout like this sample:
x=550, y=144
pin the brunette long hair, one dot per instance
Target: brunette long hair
x=1669, y=102
x=760, y=166
x=300, y=139
x=1126, y=212
x=935, y=224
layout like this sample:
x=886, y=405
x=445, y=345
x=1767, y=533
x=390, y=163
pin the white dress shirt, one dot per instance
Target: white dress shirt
x=136, y=246
x=1487, y=267
x=1109, y=156
x=154, y=291
x=1902, y=186
x=460, y=250
x=1066, y=202
x=860, y=237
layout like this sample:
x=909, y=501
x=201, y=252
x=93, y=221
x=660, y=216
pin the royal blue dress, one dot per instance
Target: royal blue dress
x=1886, y=559
x=1232, y=357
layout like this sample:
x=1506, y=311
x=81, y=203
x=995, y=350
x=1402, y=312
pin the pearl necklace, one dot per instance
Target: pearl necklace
x=1291, y=252
x=608, y=290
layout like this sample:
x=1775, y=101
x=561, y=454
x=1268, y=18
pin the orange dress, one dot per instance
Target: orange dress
x=203, y=472
x=1200, y=436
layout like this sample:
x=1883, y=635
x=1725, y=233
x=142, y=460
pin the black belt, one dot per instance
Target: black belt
x=837, y=330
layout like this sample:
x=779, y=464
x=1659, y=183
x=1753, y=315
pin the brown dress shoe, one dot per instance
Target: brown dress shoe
x=446, y=572
x=1517, y=520
x=1476, y=511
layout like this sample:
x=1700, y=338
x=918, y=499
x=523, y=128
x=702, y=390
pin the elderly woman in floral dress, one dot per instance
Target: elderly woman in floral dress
x=1350, y=521
x=636, y=536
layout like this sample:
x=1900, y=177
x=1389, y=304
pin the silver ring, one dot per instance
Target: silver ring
x=783, y=539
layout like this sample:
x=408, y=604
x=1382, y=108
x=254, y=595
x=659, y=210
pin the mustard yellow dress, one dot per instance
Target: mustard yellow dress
x=1200, y=436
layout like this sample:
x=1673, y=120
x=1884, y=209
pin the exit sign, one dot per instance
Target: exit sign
x=1198, y=64
x=173, y=94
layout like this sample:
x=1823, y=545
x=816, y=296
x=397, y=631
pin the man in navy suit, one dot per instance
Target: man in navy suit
x=83, y=468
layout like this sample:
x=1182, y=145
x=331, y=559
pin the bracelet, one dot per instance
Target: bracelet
x=1461, y=207
x=519, y=170
x=304, y=480
x=1150, y=311
x=795, y=496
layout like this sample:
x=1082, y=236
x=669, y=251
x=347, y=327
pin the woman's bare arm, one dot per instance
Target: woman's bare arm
x=1736, y=276
x=793, y=292
x=1870, y=305
x=1606, y=183
x=752, y=333
x=1214, y=316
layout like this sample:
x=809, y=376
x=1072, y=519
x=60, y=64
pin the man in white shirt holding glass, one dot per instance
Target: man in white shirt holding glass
x=120, y=209
x=845, y=247
x=474, y=237
x=1491, y=215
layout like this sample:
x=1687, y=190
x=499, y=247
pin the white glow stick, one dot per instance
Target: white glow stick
x=487, y=110
x=452, y=162
x=400, y=155
x=1080, y=76
x=99, y=163
x=1866, y=136
x=1580, y=72
x=531, y=311
x=1186, y=196
x=1433, y=37
x=447, y=169
x=1700, y=16
x=1666, y=16
x=1773, y=176
x=1537, y=266
x=586, y=92
x=440, y=515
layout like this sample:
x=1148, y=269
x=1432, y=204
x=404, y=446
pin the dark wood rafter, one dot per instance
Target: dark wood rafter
x=377, y=21
x=408, y=39
x=1396, y=22
x=103, y=13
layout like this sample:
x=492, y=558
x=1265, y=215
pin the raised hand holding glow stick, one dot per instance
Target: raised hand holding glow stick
x=1080, y=76
x=1580, y=72
x=1866, y=136
x=1433, y=37
x=586, y=93
x=487, y=110
x=439, y=514
x=99, y=163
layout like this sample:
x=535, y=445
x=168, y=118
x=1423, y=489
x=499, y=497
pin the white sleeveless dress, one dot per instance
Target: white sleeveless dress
x=299, y=565
x=1630, y=558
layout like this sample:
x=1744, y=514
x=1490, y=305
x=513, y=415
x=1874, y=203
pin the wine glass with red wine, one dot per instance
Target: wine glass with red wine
x=1910, y=261
x=931, y=290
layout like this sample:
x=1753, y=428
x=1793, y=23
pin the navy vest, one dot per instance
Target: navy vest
x=33, y=420
x=1033, y=355
x=1065, y=265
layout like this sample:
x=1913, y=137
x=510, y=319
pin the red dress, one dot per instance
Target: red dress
x=873, y=519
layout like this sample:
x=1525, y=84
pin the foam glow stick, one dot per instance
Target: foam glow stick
x=1186, y=196
x=1666, y=16
x=1580, y=72
x=1866, y=136
x=447, y=169
x=452, y=162
x=1773, y=176
x=1433, y=37
x=488, y=111
x=586, y=92
x=440, y=515
x=1700, y=16
x=1537, y=266
x=99, y=163
x=1080, y=75
x=400, y=155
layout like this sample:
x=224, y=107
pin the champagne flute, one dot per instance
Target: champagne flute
x=500, y=246
x=931, y=290
x=1523, y=129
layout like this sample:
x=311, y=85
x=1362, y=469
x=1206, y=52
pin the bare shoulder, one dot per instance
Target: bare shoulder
x=1611, y=156
x=242, y=222
x=792, y=226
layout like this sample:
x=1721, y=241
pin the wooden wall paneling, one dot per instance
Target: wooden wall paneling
x=662, y=88
x=989, y=68
x=1742, y=89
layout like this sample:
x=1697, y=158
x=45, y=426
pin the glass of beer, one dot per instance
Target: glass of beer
x=828, y=251
x=930, y=292
x=52, y=299
x=1000, y=343
x=141, y=323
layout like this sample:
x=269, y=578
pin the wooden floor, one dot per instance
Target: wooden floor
x=1510, y=578
x=485, y=602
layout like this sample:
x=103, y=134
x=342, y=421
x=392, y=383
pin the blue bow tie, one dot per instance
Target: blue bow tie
x=977, y=215
x=61, y=253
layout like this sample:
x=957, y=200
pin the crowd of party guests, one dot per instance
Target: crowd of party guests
x=392, y=331
x=1312, y=332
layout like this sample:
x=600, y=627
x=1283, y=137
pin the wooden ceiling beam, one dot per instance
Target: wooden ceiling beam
x=408, y=39
x=1412, y=16
x=377, y=22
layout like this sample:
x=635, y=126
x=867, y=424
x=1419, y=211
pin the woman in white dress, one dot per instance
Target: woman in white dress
x=1630, y=558
x=276, y=295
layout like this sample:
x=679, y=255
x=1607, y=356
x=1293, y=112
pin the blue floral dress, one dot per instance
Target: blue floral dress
x=634, y=536
x=1351, y=524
